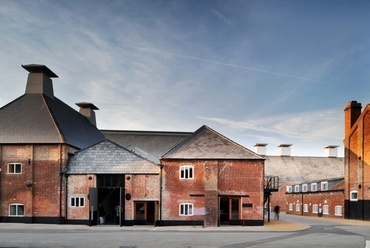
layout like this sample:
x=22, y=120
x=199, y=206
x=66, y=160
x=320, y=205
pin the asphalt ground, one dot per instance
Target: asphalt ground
x=287, y=223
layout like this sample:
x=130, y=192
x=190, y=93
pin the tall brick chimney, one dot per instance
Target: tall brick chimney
x=39, y=80
x=352, y=111
x=87, y=110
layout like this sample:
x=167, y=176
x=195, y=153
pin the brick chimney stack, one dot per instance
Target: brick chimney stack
x=39, y=80
x=352, y=111
x=87, y=110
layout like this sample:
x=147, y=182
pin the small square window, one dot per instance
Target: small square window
x=289, y=189
x=186, y=209
x=324, y=186
x=77, y=201
x=14, y=168
x=315, y=208
x=298, y=207
x=304, y=187
x=305, y=208
x=290, y=206
x=16, y=210
x=325, y=209
x=296, y=188
x=338, y=211
x=354, y=195
x=313, y=186
x=186, y=172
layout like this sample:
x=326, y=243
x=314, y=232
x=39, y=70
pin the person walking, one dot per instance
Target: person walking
x=277, y=212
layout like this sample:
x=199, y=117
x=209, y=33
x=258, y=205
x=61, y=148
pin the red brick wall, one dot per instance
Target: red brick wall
x=42, y=199
x=213, y=178
x=79, y=185
x=330, y=198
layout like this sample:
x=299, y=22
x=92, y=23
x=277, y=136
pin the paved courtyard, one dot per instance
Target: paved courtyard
x=290, y=231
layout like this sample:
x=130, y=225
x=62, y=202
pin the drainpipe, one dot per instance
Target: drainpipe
x=60, y=184
x=160, y=195
x=70, y=155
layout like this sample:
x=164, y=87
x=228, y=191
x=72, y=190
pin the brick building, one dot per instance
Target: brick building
x=357, y=161
x=297, y=169
x=37, y=131
x=316, y=198
x=210, y=180
x=57, y=167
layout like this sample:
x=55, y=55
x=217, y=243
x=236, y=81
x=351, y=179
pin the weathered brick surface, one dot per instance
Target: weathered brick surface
x=330, y=198
x=243, y=179
x=41, y=167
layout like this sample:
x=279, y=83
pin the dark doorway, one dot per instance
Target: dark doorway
x=109, y=198
x=145, y=212
x=229, y=210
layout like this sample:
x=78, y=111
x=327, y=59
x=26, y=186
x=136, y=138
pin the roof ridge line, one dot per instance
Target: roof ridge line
x=53, y=118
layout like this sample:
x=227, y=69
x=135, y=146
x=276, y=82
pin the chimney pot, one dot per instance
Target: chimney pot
x=87, y=110
x=260, y=148
x=331, y=151
x=285, y=150
x=39, y=80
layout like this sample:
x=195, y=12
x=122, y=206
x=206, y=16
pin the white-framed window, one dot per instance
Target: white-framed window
x=304, y=187
x=289, y=189
x=305, y=208
x=77, y=201
x=313, y=186
x=297, y=207
x=14, y=168
x=325, y=209
x=338, y=210
x=16, y=209
x=290, y=206
x=315, y=208
x=353, y=195
x=296, y=188
x=324, y=186
x=186, y=209
x=186, y=172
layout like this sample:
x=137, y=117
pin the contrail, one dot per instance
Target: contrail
x=222, y=63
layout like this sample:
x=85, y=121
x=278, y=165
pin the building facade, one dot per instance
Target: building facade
x=357, y=161
x=316, y=198
x=57, y=167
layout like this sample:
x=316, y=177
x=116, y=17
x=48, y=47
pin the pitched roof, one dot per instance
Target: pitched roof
x=205, y=143
x=107, y=157
x=149, y=144
x=304, y=169
x=36, y=118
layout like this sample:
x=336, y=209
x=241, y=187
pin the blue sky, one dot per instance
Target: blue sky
x=276, y=72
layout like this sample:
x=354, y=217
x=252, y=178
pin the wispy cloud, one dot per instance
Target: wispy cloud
x=221, y=63
x=305, y=126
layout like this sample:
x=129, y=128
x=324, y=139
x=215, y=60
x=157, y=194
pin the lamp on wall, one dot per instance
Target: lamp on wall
x=29, y=184
x=29, y=161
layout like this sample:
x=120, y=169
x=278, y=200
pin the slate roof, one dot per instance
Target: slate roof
x=38, y=119
x=107, y=157
x=149, y=144
x=303, y=169
x=206, y=143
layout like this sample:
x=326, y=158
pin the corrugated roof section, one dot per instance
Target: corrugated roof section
x=302, y=169
x=206, y=143
x=107, y=157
